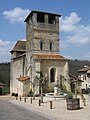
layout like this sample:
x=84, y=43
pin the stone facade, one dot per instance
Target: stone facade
x=17, y=69
x=41, y=53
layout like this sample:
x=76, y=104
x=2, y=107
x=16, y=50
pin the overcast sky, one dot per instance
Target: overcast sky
x=74, y=25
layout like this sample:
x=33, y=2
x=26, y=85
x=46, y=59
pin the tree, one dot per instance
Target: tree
x=35, y=82
x=42, y=81
x=5, y=76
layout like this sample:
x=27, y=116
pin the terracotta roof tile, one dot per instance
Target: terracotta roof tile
x=49, y=56
x=84, y=69
x=23, y=78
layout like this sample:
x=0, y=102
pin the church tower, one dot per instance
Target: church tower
x=42, y=33
x=42, y=46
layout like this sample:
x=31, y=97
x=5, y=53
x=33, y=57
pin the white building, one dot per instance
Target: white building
x=84, y=75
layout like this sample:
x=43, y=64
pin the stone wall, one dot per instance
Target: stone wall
x=17, y=68
x=61, y=69
x=45, y=32
x=26, y=87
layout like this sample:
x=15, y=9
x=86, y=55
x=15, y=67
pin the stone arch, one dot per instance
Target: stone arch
x=52, y=74
x=41, y=45
x=50, y=45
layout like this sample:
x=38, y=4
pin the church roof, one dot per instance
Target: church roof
x=49, y=56
x=23, y=78
x=19, y=46
x=34, y=11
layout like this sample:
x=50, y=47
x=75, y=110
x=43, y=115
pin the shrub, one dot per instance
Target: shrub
x=13, y=94
x=69, y=95
x=30, y=94
x=49, y=88
x=6, y=90
x=16, y=94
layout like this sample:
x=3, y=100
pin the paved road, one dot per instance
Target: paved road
x=9, y=111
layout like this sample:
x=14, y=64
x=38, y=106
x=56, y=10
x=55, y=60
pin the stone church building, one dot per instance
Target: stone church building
x=40, y=52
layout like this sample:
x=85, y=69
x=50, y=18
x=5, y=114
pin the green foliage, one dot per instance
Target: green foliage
x=30, y=94
x=6, y=90
x=42, y=82
x=15, y=94
x=5, y=73
x=64, y=89
x=48, y=88
x=69, y=95
x=41, y=79
x=5, y=77
x=62, y=83
x=75, y=65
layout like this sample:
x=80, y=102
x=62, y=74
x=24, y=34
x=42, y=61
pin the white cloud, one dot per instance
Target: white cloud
x=5, y=46
x=68, y=23
x=16, y=15
x=77, y=34
x=4, y=43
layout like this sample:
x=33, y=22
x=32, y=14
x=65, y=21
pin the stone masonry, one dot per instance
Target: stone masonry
x=40, y=52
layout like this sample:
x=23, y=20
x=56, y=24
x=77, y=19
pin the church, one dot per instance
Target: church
x=40, y=52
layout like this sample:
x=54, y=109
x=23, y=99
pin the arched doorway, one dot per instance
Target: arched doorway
x=52, y=74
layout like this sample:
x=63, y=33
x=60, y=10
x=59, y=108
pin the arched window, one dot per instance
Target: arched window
x=50, y=45
x=41, y=45
x=52, y=75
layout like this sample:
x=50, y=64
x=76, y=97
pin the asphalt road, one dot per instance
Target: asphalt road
x=9, y=111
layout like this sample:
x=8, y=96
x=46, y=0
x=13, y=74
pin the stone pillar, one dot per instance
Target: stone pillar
x=57, y=20
x=34, y=17
x=46, y=19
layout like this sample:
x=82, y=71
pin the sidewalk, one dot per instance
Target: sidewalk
x=59, y=111
x=6, y=97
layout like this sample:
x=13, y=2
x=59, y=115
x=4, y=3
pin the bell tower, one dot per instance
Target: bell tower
x=42, y=33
